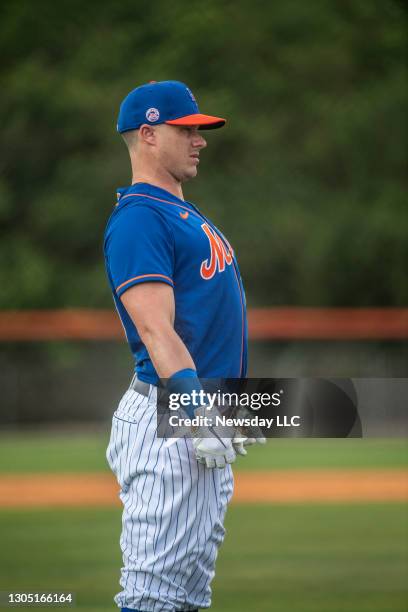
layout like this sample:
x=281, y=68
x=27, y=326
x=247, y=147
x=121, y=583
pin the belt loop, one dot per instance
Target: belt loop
x=140, y=387
x=132, y=381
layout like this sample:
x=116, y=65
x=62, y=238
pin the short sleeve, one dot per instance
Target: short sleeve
x=139, y=248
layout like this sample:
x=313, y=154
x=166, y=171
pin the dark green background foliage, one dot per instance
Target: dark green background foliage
x=306, y=180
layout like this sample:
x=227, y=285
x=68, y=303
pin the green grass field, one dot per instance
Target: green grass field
x=76, y=452
x=278, y=558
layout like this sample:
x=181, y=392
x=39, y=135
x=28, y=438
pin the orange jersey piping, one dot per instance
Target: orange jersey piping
x=144, y=276
x=144, y=195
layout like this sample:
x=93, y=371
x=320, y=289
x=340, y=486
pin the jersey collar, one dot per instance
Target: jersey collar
x=150, y=190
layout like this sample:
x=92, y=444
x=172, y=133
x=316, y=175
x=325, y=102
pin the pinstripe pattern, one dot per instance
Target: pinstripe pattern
x=174, y=508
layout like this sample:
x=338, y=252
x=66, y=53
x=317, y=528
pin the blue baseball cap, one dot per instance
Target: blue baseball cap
x=169, y=102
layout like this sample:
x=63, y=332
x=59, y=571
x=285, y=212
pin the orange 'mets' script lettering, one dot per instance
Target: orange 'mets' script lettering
x=219, y=255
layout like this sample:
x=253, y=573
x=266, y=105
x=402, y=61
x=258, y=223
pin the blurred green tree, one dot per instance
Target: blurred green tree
x=307, y=179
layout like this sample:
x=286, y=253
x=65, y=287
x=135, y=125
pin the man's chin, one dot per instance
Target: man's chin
x=189, y=174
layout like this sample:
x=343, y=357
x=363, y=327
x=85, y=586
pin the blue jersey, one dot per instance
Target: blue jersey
x=154, y=236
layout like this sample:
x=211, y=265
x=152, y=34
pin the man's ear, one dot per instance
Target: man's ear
x=147, y=134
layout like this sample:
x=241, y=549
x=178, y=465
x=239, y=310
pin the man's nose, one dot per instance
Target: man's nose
x=199, y=142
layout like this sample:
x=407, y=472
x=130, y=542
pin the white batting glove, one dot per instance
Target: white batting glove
x=212, y=449
x=238, y=442
x=259, y=440
x=247, y=436
x=214, y=452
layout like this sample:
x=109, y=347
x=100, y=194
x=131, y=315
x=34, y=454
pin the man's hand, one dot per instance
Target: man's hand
x=238, y=442
x=212, y=448
x=246, y=436
x=214, y=451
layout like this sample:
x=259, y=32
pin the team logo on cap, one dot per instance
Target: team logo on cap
x=152, y=115
x=191, y=95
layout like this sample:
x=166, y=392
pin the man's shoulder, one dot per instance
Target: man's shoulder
x=133, y=209
x=135, y=213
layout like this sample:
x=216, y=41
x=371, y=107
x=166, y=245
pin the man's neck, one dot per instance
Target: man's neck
x=166, y=182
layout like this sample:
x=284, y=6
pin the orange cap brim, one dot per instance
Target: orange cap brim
x=205, y=122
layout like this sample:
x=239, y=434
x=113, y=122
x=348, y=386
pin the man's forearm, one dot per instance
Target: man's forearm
x=167, y=351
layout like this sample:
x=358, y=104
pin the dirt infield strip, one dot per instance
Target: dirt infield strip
x=286, y=486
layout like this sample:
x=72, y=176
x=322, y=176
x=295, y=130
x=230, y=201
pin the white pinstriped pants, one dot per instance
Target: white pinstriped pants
x=174, y=508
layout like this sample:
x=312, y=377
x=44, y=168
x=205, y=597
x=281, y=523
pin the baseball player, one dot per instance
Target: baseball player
x=178, y=292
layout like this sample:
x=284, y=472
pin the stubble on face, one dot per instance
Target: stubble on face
x=179, y=149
